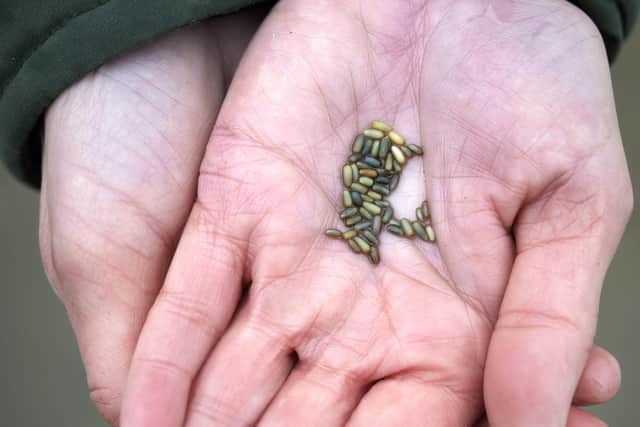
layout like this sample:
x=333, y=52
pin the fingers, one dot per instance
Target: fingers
x=600, y=380
x=407, y=401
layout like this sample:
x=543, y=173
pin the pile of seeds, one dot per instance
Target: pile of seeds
x=371, y=173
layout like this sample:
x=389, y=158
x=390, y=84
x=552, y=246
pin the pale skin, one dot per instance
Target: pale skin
x=524, y=170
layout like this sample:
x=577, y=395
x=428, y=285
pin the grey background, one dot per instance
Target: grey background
x=43, y=383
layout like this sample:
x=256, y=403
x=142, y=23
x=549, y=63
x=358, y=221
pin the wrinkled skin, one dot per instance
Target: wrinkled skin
x=529, y=193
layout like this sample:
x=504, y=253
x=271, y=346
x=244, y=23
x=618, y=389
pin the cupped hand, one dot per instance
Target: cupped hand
x=263, y=320
x=122, y=152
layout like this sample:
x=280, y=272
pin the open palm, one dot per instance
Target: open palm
x=529, y=195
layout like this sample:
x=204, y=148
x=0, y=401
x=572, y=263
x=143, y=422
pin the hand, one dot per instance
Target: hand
x=529, y=192
x=122, y=152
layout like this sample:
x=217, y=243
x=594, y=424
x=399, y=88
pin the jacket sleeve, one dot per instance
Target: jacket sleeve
x=47, y=45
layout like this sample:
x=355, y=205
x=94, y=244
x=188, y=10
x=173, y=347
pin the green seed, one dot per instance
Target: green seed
x=367, y=147
x=425, y=209
x=419, y=214
x=396, y=138
x=431, y=233
x=371, y=173
x=406, y=227
x=374, y=257
x=333, y=232
x=382, y=180
x=384, y=147
x=365, y=213
x=377, y=224
x=372, y=161
x=347, y=176
x=371, y=237
x=349, y=234
x=388, y=163
x=373, y=133
x=374, y=195
x=347, y=202
x=365, y=180
x=382, y=203
x=358, y=144
x=375, y=148
x=398, y=155
x=362, y=225
x=372, y=208
x=354, y=158
x=362, y=165
x=362, y=244
x=417, y=150
x=380, y=189
x=349, y=212
x=366, y=198
x=395, y=222
x=353, y=220
x=387, y=214
x=380, y=125
x=397, y=167
x=394, y=182
x=420, y=231
x=395, y=230
x=354, y=170
x=356, y=186
x=356, y=198
x=354, y=246
x=407, y=153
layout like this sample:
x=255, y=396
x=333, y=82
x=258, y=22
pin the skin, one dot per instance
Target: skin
x=260, y=319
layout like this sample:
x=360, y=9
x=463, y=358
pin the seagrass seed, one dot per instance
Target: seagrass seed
x=382, y=203
x=384, y=147
x=394, y=182
x=363, y=225
x=362, y=165
x=416, y=149
x=374, y=195
x=372, y=208
x=333, y=232
x=354, y=246
x=395, y=222
x=373, y=133
x=387, y=214
x=356, y=198
x=396, y=138
x=370, y=237
x=357, y=186
x=365, y=180
x=407, y=153
x=398, y=155
x=375, y=148
x=420, y=231
x=347, y=175
x=382, y=180
x=365, y=213
x=395, y=230
x=349, y=234
x=358, y=143
x=371, y=173
x=419, y=214
x=354, y=158
x=347, y=202
x=388, y=163
x=366, y=198
x=380, y=125
x=362, y=244
x=380, y=189
x=353, y=220
x=374, y=257
x=407, y=229
x=372, y=161
x=349, y=212
x=397, y=167
x=367, y=147
x=355, y=171
x=376, y=225
x=431, y=233
x=425, y=209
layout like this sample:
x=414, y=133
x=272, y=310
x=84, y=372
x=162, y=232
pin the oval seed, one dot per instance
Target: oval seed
x=374, y=257
x=396, y=138
x=415, y=149
x=382, y=203
x=371, y=237
x=356, y=198
x=377, y=224
x=365, y=213
x=372, y=162
x=395, y=222
x=374, y=195
x=387, y=215
x=356, y=186
x=354, y=171
x=333, y=232
x=358, y=144
x=425, y=209
x=372, y=208
x=407, y=153
x=398, y=155
x=375, y=148
x=347, y=202
x=420, y=231
x=397, y=167
x=382, y=180
x=431, y=233
x=362, y=225
x=380, y=125
x=388, y=163
x=380, y=189
x=366, y=198
x=406, y=227
x=394, y=182
x=367, y=147
x=362, y=244
x=419, y=214
x=373, y=133
x=371, y=173
x=353, y=220
x=348, y=212
x=365, y=180
x=395, y=230
x=354, y=246
x=349, y=234
x=347, y=175
x=353, y=158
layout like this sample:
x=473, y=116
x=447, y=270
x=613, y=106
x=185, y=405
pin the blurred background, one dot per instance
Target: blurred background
x=44, y=383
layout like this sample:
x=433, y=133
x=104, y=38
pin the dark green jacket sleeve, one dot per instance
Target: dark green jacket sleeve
x=45, y=45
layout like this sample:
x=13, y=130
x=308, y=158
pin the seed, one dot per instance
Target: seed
x=366, y=198
x=387, y=214
x=384, y=147
x=349, y=212
x=354, y=246
x=382, y=203
x=381, y=126
x=373, y=133
x=346, y=199
x=353, y=158
x=372, y=162
x=419, y=214
x=371, y=237
x=395, y=222
x=420, y=231
x=356, y=198
x=415, y=149
x=388, y=163
x=333, y=232
x=349, y=234
x=395, y=230
x=372, y=208
x=362, y=225
x=371, y=173
x=377, y=224
x=407, y=153
x=356, y=186
x=365, y=180
x=425, y=209
x=382, y=180
x=347, y=175
x=362, y=165
x=398, y=155
x=374, y=195
x=394, y=182
x=367, y=147
x=380, y=189
x=374, y=257
x=358, y=143
x=353, y=220
x=354, y=171
x=397, y=167
x=365, y=213
x=362, y=244
x=431, y=233
x=396, y=138
x=375, y=148
x=406, y=227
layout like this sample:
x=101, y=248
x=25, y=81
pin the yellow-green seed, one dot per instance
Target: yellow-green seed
x=349, y=234
x=372, y=208
x=354, y=171
x=384, y=147
x=394, y=182
x=387, y=215
x=394, y=222
x=362, y=244
x=365, y=180
x=374, y=195
x=353, y=220
x=388, y=163
x=377, y=224
x=407, y=153
x=398, y=155
x=431, y=233
x=362, y=225
x=396, y=138
x=374, y=257
x=420, y=231
x=358, y=143
x=348, y=212
x=380, y=189
x=425, y=209
x=419, y=214
x=371, y=237
x=354, y=246
x=365, y=213
x=407, y=229
x=395, y=229
x=367, y=198
x=380, y=125
x=347, y=202
x=417, y=150
x=356, y=186
x=333, y=232
x=375, y=148
x=347, y=176
x=373, y=133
